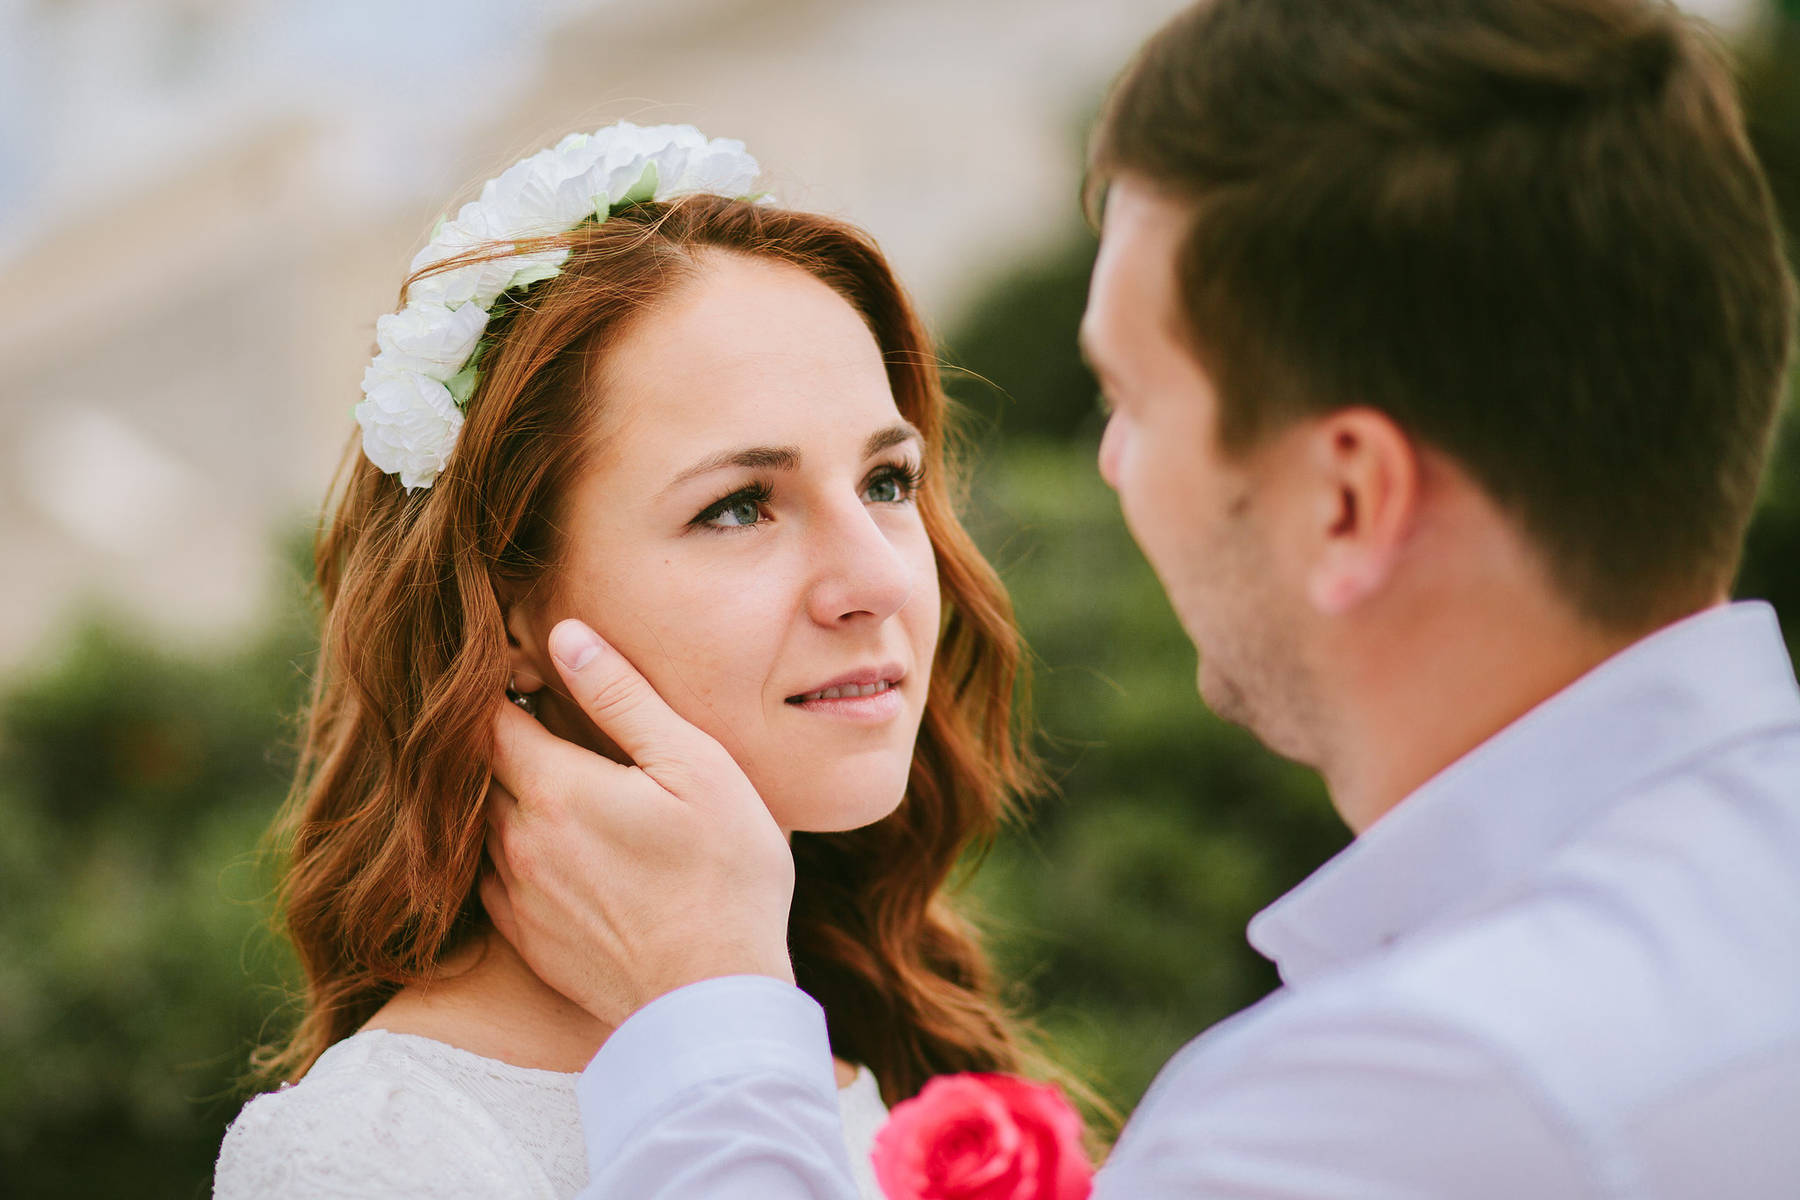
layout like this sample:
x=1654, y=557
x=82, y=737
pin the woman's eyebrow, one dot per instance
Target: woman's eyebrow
x=893, y=435
x=787, y=458
x=755, y=458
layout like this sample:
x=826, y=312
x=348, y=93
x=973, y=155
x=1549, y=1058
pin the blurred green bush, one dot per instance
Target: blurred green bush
x=136, y=973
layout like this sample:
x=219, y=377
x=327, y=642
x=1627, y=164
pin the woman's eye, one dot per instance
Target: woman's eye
x=741, y=509
x=739, y=512
x=894, y=485
x=885, y=490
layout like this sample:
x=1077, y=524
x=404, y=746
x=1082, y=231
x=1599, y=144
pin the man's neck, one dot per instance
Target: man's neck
x=1444, y=689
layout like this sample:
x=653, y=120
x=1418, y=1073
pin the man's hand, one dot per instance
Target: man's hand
x=618, y=884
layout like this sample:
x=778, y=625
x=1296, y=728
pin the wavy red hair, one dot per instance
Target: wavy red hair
x=383, y=834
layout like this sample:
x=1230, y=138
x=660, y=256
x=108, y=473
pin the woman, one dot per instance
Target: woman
x=713, y=429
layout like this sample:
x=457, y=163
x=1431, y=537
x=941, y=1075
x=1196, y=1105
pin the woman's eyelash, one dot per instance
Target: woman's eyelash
x=910, y=475
x=758, y=493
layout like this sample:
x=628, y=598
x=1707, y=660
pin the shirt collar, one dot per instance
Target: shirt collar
x=1489, y=817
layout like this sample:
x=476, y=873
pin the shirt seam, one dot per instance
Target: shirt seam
x=1748, y=1054
x=1610, y=1169
x=673, y=1101
x=1504, y=892
x=557, y=1081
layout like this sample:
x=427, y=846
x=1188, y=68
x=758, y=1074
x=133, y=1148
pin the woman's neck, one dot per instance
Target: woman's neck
x=490, y=1003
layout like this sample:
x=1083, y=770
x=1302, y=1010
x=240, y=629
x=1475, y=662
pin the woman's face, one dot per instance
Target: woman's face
x=747, y=537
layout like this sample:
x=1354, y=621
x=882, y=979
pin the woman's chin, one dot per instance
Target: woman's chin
x=837, y=813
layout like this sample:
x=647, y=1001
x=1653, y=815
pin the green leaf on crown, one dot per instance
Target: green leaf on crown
x=641, y=192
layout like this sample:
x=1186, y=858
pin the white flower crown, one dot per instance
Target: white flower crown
x=415, y=390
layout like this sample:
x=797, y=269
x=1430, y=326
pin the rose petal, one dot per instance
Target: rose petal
x=983, y=1137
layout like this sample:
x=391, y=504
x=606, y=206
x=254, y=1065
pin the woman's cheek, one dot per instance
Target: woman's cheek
x=923, y=615
x=709, y=655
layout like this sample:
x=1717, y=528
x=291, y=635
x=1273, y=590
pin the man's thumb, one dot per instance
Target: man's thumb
x=624, y=706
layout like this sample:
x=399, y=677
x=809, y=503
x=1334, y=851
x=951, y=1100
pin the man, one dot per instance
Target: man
x=1443, y=340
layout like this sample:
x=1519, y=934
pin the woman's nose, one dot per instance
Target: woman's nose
x=859, y=570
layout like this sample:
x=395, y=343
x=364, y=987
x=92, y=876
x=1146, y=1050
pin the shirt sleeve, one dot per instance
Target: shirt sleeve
x=725, y=1089
x=1353, y=1101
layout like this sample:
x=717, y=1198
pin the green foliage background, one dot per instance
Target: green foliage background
x=136, y=973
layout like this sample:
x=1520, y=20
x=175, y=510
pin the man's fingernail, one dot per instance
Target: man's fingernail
x=573, y=645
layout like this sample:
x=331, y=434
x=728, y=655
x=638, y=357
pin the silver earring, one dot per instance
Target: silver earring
x=522, y=700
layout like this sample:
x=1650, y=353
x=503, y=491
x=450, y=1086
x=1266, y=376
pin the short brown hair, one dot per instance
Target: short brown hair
x=1530, y=231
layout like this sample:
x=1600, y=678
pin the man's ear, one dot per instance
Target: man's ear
x=524, y=643
x=1363, y=476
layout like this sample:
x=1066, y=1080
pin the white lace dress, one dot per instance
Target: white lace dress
x=390, y=1114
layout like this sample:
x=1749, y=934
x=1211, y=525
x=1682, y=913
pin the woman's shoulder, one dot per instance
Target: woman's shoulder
x=373, y=1117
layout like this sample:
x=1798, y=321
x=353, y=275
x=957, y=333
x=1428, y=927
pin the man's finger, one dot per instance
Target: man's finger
x=530, y=761
x=497, y=863
x=497, y=900
x=623, y=704
x=501, y=809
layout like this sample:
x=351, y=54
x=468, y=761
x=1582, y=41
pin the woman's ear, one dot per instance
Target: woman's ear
x=524, y=646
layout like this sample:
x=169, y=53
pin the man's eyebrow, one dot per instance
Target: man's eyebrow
x=893, y=435
x=755, y=458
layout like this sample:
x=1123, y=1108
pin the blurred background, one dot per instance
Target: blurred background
x=203, y=207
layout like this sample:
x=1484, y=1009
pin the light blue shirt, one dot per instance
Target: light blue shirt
x=1567, y=966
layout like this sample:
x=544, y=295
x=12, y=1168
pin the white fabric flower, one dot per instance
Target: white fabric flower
x=476, y=227
x=430, y=338
x=722, y=167
x=409, y=414
x=409, y=424
x=542, y=195
x=685, y=161
x=555, y=190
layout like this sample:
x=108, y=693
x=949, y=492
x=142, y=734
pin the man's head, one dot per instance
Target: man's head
x=1515, y=250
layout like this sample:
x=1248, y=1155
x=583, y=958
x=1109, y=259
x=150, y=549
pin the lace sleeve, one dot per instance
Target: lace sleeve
x=350, y=1136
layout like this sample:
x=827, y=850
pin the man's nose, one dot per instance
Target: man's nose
x=1111, y=448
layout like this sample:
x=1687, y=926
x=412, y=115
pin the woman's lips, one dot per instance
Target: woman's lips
x=862, y=682
x=877, y=706
x=870, y=695
x=847, y=691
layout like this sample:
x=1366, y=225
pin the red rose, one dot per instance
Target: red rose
x=983, y=1137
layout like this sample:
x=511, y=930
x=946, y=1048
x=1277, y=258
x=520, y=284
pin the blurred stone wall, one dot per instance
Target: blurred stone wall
x=182, y=348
